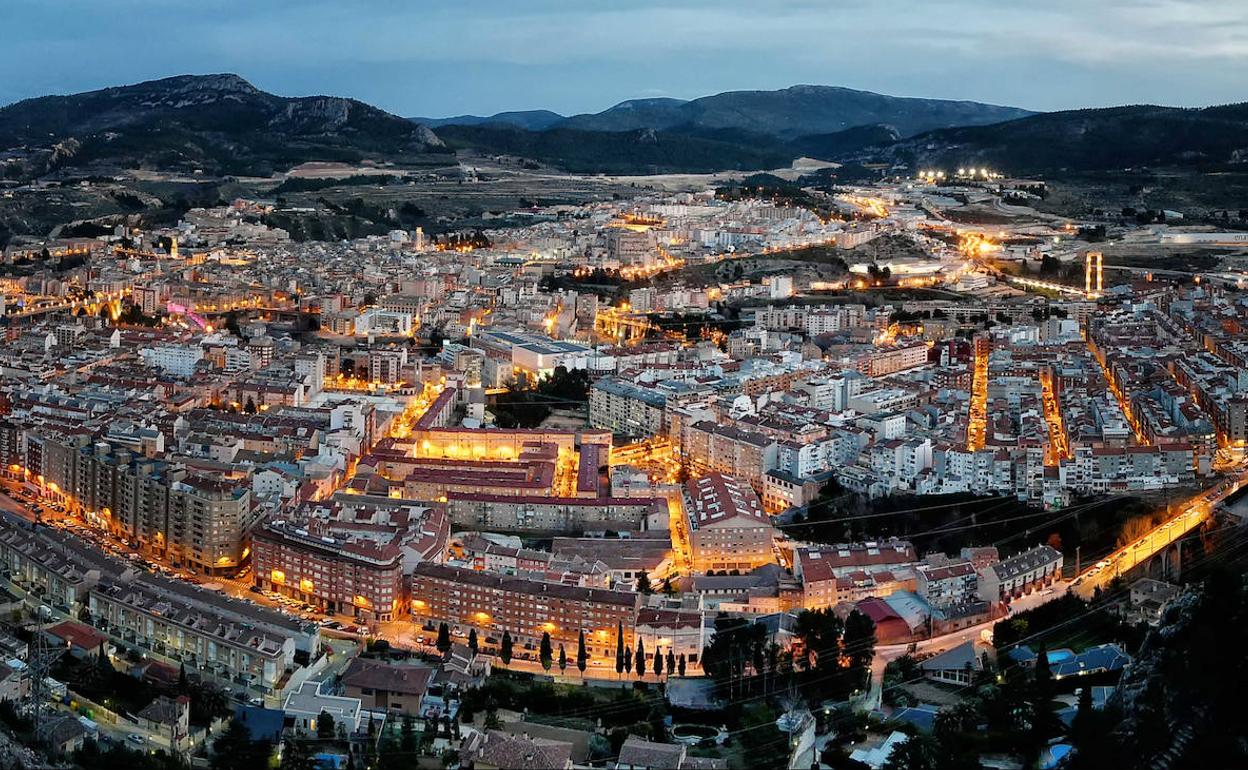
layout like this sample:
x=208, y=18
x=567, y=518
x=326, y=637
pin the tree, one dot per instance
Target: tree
x=820, y=632
x=325, y=726
x=472, y=641
x=918, y=752
x=643, y=583
x=671, y=661
x=504, y=651
x=234, y=748
x=582, y=655
x=563, y=659
x=1082, y=729
x=724, y=658
x=667, y=587
x=658, y=663
x=619, y=648
x=953, y=731
x=444, y=638
x=545, y=653
x=628, y=660
x=250, y=406
x=105, y=665
x=182, y=682
x=681, y=664
x=1043, y=720
x=295, y=756
x=640, y=663
x=859, y=648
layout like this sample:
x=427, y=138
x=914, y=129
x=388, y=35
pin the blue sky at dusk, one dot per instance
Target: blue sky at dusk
x=483, y=56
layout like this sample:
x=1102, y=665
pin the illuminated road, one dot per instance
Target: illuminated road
x=679, y=532
x=977, y=424
x=1113, y=388
x=871, y=206
x=1194, y=513
x=1032, y=283
x=1058, y=448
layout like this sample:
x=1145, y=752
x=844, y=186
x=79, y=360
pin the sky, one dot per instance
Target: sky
x=434, y=58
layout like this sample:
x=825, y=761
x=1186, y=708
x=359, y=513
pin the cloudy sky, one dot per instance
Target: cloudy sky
x=435, y=58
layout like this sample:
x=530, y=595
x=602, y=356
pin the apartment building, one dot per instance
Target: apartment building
x=728, y=529
x=946, y=585
x=232, y=649
x=1019, y=574
x=490, y=603
x=899, y=358
x=831, y=573
x=554, y=514
x=176, y=360
x=622, y=407
x=743, y=454
x=348, y=559
x=195, y=520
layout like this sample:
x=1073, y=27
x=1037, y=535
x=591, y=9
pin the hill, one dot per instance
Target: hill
x=643, y=151
x=796, y=111
x=216, y=123
x=1084, y=140
x=842, y=143
x=732, y=130
x=532, y=120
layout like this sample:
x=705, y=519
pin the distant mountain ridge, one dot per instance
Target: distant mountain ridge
x=1083, y=140
x=786, y=113
x=217, y=122
x=796, y=111
x=735, y=130
x=223, y=125
x=532, y=120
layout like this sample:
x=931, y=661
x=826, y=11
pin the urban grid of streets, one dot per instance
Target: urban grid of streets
x=998, y=417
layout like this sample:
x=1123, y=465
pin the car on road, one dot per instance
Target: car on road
x=136, y=738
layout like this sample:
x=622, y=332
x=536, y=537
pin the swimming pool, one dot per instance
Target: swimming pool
x=1059, y=656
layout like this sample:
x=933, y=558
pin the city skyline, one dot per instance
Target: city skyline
x=443, y=61
x=833, y=385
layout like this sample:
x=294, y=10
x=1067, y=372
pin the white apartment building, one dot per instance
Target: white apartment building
x=177, y=360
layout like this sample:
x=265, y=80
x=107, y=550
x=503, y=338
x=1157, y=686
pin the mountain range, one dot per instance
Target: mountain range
x=1083, y=140
x=787, y=113
x=216, y=123
x=221, y=124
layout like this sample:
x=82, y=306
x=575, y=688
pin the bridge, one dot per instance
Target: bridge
x=1163, y=541
x=621, y=326
x=87, y=305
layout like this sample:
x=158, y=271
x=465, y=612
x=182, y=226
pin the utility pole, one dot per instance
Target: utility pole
x=1078, y=548
x=42, y=658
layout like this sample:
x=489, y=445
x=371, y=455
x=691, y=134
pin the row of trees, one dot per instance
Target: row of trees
x=831, y=657
x=627, y=660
